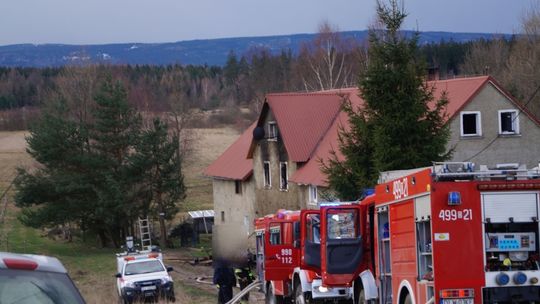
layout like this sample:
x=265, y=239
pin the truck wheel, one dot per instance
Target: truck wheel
x=301, y=297
x=270, y=297
x=359, y=295
x=408, y=299
x=361, y=299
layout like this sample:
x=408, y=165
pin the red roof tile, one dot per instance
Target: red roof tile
x=303, y=119
x=459, y=91
x=309, y=123
x=310, y=173
x=233, y=163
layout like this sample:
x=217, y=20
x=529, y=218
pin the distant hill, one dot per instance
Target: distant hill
x=195, y=52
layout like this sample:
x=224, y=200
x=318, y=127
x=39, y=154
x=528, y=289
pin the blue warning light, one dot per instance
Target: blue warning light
x=454, y=198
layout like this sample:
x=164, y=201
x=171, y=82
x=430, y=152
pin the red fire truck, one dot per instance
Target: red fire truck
x=447, y=234
x=289, y=253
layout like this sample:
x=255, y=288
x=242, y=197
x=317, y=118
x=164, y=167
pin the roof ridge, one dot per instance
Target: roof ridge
x=318, y=93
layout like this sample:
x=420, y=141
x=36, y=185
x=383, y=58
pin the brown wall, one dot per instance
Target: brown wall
x=269, y=200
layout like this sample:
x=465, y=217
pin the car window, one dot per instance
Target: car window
x=25, y=287
x=143, y=267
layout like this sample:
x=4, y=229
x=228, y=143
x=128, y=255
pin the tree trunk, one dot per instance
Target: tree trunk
x=163, y=234
x=102, y=237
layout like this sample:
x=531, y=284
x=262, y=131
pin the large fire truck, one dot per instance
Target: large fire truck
x=447, y=234
x=289, y=254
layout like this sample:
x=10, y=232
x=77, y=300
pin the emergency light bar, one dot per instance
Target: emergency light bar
x=150, y=256
x=509, y=186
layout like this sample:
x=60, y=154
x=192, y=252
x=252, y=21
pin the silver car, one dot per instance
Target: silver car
x=28, y=278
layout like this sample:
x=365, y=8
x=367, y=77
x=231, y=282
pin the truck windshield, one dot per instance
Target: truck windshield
x=341, y=224
x=143, y=267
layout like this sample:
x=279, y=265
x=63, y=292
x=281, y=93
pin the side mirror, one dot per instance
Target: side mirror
x=296, y=243
x=169, y=269
x=118, y=275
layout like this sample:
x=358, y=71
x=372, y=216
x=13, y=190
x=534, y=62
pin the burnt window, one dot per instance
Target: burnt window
x=470, y=124
x=267, y=175
x=272, y=130
x=508, y=122
x=222, y=216
x=238, y=187
x=283, y=184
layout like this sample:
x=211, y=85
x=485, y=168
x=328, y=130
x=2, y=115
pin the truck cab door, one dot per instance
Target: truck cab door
x=280, y=257
x=341, y=244
x=310, y=232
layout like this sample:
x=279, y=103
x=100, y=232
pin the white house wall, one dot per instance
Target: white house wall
x=523, y=148
x=237, y=208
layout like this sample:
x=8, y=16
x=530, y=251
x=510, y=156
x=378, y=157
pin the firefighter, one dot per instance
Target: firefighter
x=244, y=277
x=225, y=280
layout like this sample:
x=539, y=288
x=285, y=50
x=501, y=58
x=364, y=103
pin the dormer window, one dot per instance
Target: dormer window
x=471, y=123
x=272, y=130
x=508, y=122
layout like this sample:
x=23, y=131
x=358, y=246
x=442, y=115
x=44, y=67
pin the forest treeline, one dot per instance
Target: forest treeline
x=327, y=62
x=242, y=82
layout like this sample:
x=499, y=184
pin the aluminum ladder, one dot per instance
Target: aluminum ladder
x=144, y=230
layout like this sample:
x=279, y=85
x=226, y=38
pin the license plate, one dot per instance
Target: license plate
x=145, y=288
x=458, y=301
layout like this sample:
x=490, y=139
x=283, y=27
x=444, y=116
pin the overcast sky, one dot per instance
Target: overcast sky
x=109, y=21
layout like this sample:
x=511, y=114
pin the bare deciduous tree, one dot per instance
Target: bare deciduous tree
x=324, y=62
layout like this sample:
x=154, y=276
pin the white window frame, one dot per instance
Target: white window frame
x=272, y=131
x=281, y=186
x=515, y=122
x=313, y=196
x=478, y=123
x=267, y=183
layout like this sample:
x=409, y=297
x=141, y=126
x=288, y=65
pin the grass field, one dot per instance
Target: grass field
x=93, y=268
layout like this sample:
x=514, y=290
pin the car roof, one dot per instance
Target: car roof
x=30, y=262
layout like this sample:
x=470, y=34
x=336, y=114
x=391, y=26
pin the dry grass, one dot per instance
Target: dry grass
x=12, y=155
x=207, y=145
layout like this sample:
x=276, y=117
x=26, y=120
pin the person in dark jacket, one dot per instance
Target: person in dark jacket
x=244, y=277
x=225, y=279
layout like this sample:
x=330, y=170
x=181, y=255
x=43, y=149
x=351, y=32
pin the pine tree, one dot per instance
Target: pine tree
x=101, y=175
x=156, y=167
x=58, y=186
x=400, y=126
x=114, y=134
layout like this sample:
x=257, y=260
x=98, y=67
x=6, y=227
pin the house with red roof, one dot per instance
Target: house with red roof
x=276, y=162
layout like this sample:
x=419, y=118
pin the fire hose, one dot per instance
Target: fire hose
x=238, y=296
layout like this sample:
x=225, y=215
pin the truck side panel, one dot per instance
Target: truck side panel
x=402, y=241
x=457, y=240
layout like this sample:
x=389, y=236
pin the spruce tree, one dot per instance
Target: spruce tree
x=408, y=124
x=400, y=125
